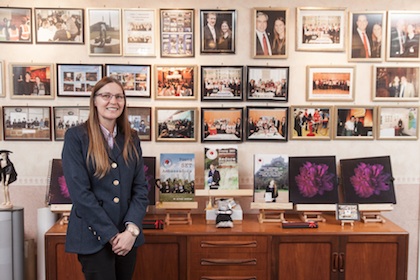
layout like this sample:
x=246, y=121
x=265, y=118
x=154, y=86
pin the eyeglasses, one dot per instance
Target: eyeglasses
x=108, y=96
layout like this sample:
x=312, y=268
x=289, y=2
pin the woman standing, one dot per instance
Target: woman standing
x=225, y=40
x=103, y=167
x=279, y=41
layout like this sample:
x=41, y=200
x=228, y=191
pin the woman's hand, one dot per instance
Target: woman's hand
x=123, y=243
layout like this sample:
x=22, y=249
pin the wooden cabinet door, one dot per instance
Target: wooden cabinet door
x=162, y=257
x=305, y=257
x=374, y=257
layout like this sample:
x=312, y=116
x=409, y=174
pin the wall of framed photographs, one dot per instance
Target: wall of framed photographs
x=314, y=62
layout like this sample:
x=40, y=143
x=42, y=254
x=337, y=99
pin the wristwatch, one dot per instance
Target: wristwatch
x=133, y=230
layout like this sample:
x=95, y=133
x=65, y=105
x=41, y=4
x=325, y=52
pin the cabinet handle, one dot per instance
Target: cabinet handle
x=341, y=262
x=228, y=278
x=224, y=244
x=228, y=262
x=334, y=262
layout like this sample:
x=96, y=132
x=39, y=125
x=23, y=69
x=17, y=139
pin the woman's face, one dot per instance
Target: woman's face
x=279, y=26
x=109, y=110
x=224, y=27
x=377, y=30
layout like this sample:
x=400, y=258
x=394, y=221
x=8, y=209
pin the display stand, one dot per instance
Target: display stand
x=351, y=222
x=371, y=213
x=63, y=210
x=177, y=213
x=271, y=212
x=313, y=212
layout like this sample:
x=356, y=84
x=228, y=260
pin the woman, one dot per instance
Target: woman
x=225, y=40
x=376, y=40
x=272, y=188
x=411, y=46
x=278, y=47
x=103, y=167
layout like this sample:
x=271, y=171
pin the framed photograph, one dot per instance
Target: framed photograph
x=267, y=83
x=398, y=83
x=2, y=79
x=59, y=26
x=104, y=33
x=218, y=31
x=31, y=81
x=321, y=29
x=271, y=37
x=398, y=123
x=330, y=83
x=367, y=36
x=313, y=180
x=150, y=174
x=140, y=119
x=66, y=117
x=367, y=180
x=355, y=123
x=77, y=80
x=310, y=122
x=139, y=32
x=16, y=25
x=30, y=123
x=347, y=212
x=221, y=124
x=403, y=36
x=136, y=79
x=176, y=82
x=177, y=33
x=176, y=124
x=221, y=83
x=267, y=123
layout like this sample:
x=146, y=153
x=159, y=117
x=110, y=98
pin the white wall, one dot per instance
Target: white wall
x=32, y=159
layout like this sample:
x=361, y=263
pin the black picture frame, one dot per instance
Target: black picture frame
x=267, y=83
x=222, y=25
x=136, y=79
x=222, y=83
x=222, y=124
x=176, y=124
x=267, y=123
x=140, y=119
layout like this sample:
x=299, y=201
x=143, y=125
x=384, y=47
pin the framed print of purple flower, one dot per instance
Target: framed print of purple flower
x=370, y=179
x=314, y=179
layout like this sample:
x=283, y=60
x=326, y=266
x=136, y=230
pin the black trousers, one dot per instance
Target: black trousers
x=106, y=265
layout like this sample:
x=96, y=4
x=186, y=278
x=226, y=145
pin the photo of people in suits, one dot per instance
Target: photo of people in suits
x=357, y=122
x=401, y=83
x=367, y=34
x=218, y=31
x=403, y=35
x=270, y=33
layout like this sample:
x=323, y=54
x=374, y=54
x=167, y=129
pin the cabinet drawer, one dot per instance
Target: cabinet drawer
x=229, y=275
x=224, y=244
x=238, y=260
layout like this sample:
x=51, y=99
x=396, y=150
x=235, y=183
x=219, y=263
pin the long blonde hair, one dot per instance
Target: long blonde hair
x=98, y=147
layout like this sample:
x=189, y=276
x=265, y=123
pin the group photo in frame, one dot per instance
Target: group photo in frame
x=311, y=122
x=135, y=79
x=397, y=83
x=221, y=83
x=320, y=29
x=66, y=117
x=266, y=123
x=177, y=33
x=139, y=32
x=367, y=31
x=175, y=82
x=104, y=36
x=330, y=83
x=77, y=80
x=176, y=124
x=403, y=36
x=398, y=122
x=218, y=31
x=271, y=36
x=59, y=26
x=222, y=124
x=267, y=83
x=140, y=119
x=347, y=212
x=355, y=123
x=16, y=25
x=31, y=81
x=27, y=123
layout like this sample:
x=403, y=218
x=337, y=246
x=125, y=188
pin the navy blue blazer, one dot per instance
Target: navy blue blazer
x=101, y=207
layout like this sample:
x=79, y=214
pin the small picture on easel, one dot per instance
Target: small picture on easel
x=58, y=192
x=367, y=180
x=313, y=180
x=348, y=212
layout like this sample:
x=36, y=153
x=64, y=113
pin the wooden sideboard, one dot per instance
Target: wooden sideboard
x=254, y=251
